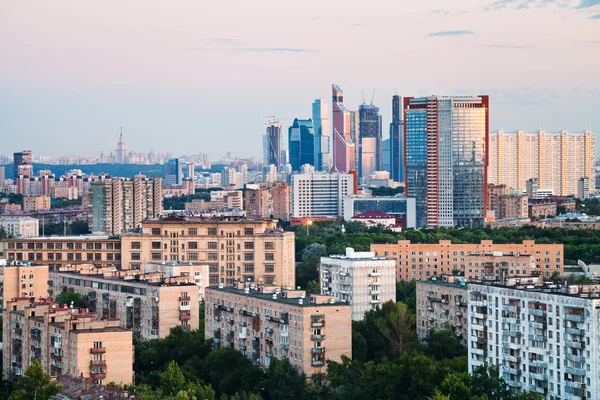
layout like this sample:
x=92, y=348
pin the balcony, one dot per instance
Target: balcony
x=318, y=350
x=575, y=331
x=98, y=376
x=185, y=316
x=538, y=364
x=317, y=338
x=574, y=358
x=511, y=333
x=477, y=351
x=575, y=371
x=185, y=298
x=510, y=308
x=511, y=345
x=575, y=317
x=375, y=301
x=539, y=377
x=513, y=383
x=478, y=315
x=537, y=338
x=479, y=303
x=512, y=371
x=575, y=344
x=284, y=345
x=458, y=314
x=185, y=307
x=375, y=291
x=537, y=312
x=98, y=363
x=98, y=350
x=430, y=308
x=575, y=385
x=482, y=340
x=372, y=273
x=478, y=327
x=511, y=321
x=513, y=359
x=537, y=325
x=458, y=324
x=318, y=323
x=317, y=363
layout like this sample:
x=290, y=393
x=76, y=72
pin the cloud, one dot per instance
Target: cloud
x=588, y=3
x=526, y=4
x=440, y=12
x=272, y=49
x=222, y=40
x=597, y=16
x=504, y=46
x=452, y=33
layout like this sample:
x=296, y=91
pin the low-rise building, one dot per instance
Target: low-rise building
x=543, y=337
x=541, y=209
x=377, y=218
x=266, y=322
x=400, y=207
x=440, y=302
x=36, y=203
x=65, y=341
x=19, y=227
x=360, y=279
x=149, y=304
x=23, y=280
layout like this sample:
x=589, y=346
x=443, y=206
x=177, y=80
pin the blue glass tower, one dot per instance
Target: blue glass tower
x=301, y=143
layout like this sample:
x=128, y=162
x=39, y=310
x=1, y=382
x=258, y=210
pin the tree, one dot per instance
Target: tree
x=35, y=384
x=397, y=325
x=171, y=380
x=457, y=386
x=307, y=270
x=406, y=292
x=282, y=381
x=68, y=297
x=443, y=343
x=555, y=277
x=486, y=381
x=313, y=287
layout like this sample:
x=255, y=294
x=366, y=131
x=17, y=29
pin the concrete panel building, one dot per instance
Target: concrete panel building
x=320, y=194
x=19, y=226
x=266, y=322
x=359, y=279
x=21, y=279
x=36, y=203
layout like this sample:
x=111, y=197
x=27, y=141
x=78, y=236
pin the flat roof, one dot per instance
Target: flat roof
x=547, y=289
x=121, y=280
x=280, y=299
x=74, y=237
x=454, y=285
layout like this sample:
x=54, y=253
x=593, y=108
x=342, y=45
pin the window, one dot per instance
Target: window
x=156, y=245
x=98, y=246
x=156, y=231
x=248, y=231
x=269, y=246
x=156, y=256
x=212, y=245
x=192, y=231
x=249, y=268
x=135, y=256
x=97, y=345
x=270, y=256
x=269, y=268
x=193, y=256
x=98, y=256
x=212, y=257
x=248, y=256
x=212, y=231
x=192, y=245
x=248, y=245
x=136, y=245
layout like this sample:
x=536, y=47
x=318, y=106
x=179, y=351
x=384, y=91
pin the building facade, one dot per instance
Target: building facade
x=20, y=226
x=265, y=323
x=173, y=172
x=423, y=261
x=320, y=194
x=301, y=143
x=396, y=163
x=268, y=200
x=21, y=158
x=36, y=203
x=24, y=280
x=359, y=279
x=370, y=156
x=320, y=117
x=272, y=146
x=343, y=146
x=403, y=208
x=446, y=158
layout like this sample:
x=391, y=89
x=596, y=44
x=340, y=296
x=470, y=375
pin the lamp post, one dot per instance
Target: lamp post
x=308, y=223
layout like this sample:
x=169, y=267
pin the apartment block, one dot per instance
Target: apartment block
x=120, y=205
x=359, y=279
x=149, y=304
x=543, y=337
x=235, y=249
x=506, y=203
x=422, y=260
x=65, y=341
x=231, y=199
x=266, y=322
x=36, y=203
x=23, y=280
x=19, y=227
x=541, y=209
x=268, y=200
x=440, y=302
x=57, y=251
x=320, y=194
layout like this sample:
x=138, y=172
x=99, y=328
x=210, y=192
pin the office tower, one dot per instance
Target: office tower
x=272, y=149
x=22, y=158
x=368, y=281
x=369, y=142
x=320, y=194
x=120, y=205
x=121, y=150
x=343, y=146
x=173, y=172
x=386, y=151
x=397, y=143
x=556, y=160
x=301, y=143
x=446, y=158
x=320, y=118
x=2, y=175
x=355, y=134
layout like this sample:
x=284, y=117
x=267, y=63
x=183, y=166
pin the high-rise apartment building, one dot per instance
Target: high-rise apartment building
x=272, y=146
x=65, y=341
x=320, y=194
x=396, y=154
x=2, y=175
x=446, y=158
x=173, y=172
x=301, y=144
x=320, y=117
x=121, y=150
x=120, y=205
x=543, y=337
x=21, y=158
x=360, y=279
x=370, y=158
x=556, y=160
x=268, y=200
x=343, y=146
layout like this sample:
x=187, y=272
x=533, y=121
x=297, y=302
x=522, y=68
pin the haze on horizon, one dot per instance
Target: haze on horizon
x=196, y=76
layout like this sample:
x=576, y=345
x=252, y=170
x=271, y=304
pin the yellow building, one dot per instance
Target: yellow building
x=21, y=279
x=36, y=203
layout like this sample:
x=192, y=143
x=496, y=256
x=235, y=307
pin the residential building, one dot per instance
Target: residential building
x=230, y=199
x=320, y=117
x=360, y=279
x=446, y=158
x=301, y=146
x=281, y=194
x=506, y=203
x=120, y=205
x=556, y=160
x=236, y=249
x=19, y=226
x=149, y=304
x=569, y=221
x=272, y=143
x=21, y=158
x=23, y=280
x=402, y=208
x=443, y=301
x=36, y=203
x=541, y=209
x=583, y=188
x=266, y=200
x=542, y=337
x=6, y=207
x=320, y=194
x=69, y=193
x=370, y=158
x=191, y=272
x=423, y=260
x=173, y=172
x=57, y=251
x=64, y=341
x=378, y=218
x=397, y=142
x=266, y=322
x=2, y=175
x=343, y=146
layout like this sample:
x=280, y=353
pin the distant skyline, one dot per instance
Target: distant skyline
x=194, y=76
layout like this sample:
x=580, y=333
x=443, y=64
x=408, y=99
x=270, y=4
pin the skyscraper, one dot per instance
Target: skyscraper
x=301, y=143
x=397, y=143
x=21, y=158
x=272, y=143
x=355, y=134
x=173, y=172
x=446, y=158
x=369, y=142
x=321, y=126
x=2, y=177
x=343, y=147
x=121, y=151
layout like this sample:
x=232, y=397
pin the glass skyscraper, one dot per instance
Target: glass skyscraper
x=321, y=128
x=301, y=145
x=397, y=143
x=369, y=142
x=272, y=150
x=446, y=158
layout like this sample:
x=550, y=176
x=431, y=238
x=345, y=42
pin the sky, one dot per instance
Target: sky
x=191, y=76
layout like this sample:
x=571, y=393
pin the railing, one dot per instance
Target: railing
x=317, y=338
x=98, y=350
x=98, y=363
x=575, y=317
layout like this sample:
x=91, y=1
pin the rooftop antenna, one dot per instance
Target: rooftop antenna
x=121, y=131
x=363, y=96
x=372, y=96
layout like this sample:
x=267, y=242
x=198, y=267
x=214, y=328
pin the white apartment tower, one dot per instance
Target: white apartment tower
x=360, y=279
x=320, y=194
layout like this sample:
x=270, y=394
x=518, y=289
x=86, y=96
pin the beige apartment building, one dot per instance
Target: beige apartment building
x=65, y=341
x=541, y=209
x=149, y=304
x=236, y=249
x=440, y=302
x=266, y=322
x=423, y=261
x=57, y=251
x=506, y=203
x=268, y=200
x=557, y=160
x=36, y=203
x=23, y=280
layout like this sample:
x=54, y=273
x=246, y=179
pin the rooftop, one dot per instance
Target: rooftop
x=74, y=238
x=587, y=291
x=372, y=215
x=279, y=297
